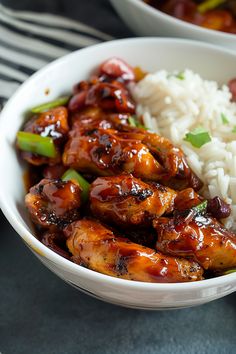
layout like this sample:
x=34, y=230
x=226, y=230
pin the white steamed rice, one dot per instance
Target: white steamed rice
x=172, y=107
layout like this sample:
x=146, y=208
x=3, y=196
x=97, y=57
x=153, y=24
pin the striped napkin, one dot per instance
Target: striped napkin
x=30, y=40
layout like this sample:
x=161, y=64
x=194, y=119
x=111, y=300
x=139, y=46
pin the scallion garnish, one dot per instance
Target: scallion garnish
x=61, y=101
x=133, y=121
x=229, y=271
x=36, y=144
x=224, y=119
x=209, y=5
x=234, y=129
x=71, y=175
x=198, y=137
x=180, y=75
x=201, y=208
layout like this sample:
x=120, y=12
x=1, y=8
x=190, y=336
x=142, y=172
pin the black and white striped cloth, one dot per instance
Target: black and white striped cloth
x=29, y=40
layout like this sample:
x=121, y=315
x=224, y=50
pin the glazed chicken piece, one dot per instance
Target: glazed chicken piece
x=103, y=92
x=96, y=247
x=102, y=140
x=107, y=90
x=187, y=199
x=52, y=123
x=94, y=117
x=107, y=152
x=128, y=201
x=175, y=168
x=53, y=204
x=201, y=238
x=112, y=96
x=176, y=172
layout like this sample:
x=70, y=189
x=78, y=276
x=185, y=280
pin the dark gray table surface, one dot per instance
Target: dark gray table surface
x=39, y=313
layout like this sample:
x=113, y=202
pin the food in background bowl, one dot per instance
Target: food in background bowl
x=212, y=14
x=116, y=197
x=146, y=20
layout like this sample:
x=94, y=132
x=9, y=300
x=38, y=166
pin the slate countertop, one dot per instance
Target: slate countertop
x=39, y=313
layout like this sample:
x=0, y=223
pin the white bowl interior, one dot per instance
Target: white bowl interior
x=59, y=77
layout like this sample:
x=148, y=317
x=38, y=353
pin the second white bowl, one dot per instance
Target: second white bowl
x=147, y=21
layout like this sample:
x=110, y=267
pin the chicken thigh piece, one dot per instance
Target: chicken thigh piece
x=94, y=117
x=128, y=201
x=97, y=247
x=176, y=172
x=53, y=204
x=105, y=153
x=199, y=237
x=53, y=124
x=103, y=92
x=187, y=199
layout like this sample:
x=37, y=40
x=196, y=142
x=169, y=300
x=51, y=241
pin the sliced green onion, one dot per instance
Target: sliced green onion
x=36, y=144
x=209, y=5
x=71, y=175
x=133, y=121
x=201, y=208
x=198, y=137
x=180, y=75
x=229, y=271
x=224, y=119
x=142, y=126
x=234, y=129
x=61, y=101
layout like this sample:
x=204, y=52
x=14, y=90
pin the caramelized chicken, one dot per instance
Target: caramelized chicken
x=53, y=204
x=107, y=90
x=177, y=173
x=52, y=123
x=96, y=247
x=201, y=238
x=110, y=96
x=94, y=117
x=106, y=152
x=186, y=199
x=102, y=92
x=126, y=200
x=102, y=135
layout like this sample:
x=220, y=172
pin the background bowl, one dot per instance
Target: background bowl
x=147, y=21
x=59, y=77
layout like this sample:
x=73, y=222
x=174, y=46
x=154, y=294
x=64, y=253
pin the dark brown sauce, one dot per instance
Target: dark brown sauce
x=31, y=176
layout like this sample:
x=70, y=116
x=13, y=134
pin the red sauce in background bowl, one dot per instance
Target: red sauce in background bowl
x=222, y=17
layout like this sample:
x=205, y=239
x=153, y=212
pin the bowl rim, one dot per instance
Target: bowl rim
x=171, y=19
x=52, y=256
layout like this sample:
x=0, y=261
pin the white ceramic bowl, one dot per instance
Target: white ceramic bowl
x=147, y=21
x=151, y=54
